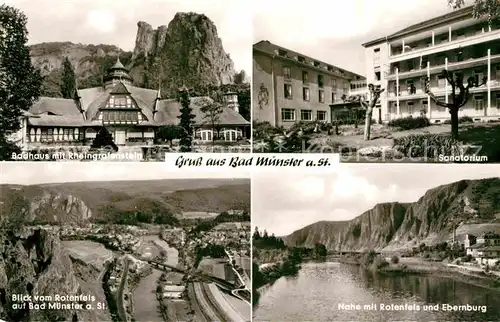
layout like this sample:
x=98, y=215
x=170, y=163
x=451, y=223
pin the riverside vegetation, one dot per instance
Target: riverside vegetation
x=284, y=261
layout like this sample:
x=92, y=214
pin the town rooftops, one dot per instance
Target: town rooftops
x=424, y=25
x=269, y=48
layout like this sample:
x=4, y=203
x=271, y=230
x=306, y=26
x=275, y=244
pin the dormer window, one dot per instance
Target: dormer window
x=316, y=63
x=282, y=52
x=330, y=68
x=301, y=59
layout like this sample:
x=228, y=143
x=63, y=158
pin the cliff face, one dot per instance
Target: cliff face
x=431, y=219
x=187, y=52
x=84, y=202
x=33, y=262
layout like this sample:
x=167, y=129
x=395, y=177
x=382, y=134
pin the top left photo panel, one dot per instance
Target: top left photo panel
x=125, y=80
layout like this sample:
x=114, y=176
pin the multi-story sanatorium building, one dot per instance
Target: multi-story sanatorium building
x=289, y=87
x=131, y=114
x=456, y=42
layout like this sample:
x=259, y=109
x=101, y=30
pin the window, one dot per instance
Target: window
x=321, y=115
x=287, y=114
x=306, y=115
x=410, y=107
x=206, y=135
x=441, y=81
x=301, y=59
x=230, y=135
x=316, y=63
x=305, y=94
x=498, y=100
x=287, y=73
x=397, y=90
x=376, y=56
x=334, y=83
x=478, y=102
x=478, y=76
x=346, y=87
x=305, y=77
x=333, y=97
x=497, y=73
x=329, y=68
x=423, y=61
x=425, y=105
x=411, y=87
x=411, y=65
x=377, y=76
x=321, y=82
x=288, y=91
x=321, y=95
x=282, y=52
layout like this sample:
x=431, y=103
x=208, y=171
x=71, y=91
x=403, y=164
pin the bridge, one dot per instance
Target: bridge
x=220, y=282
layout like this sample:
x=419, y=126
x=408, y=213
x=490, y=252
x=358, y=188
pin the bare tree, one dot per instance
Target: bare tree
x=459, y=95
x=211, y=114
x=489, y=9
x=367, y=105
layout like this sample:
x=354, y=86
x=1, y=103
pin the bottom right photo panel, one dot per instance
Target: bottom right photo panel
x=377, y=243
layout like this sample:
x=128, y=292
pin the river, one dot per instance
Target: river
x=319, y=290
x=145, y=302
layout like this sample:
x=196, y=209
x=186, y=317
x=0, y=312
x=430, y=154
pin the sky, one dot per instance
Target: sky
x=28, y=173
x=114, y=22
x=334, y=30
x=284, y=204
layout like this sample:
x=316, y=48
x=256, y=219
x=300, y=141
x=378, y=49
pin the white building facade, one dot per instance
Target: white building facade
x=455, y=42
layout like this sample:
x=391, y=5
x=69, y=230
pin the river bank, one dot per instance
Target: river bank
x=419, y=266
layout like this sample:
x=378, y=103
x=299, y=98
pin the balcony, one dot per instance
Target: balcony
x=468, y=63
x=439, y=91
x=456, y=43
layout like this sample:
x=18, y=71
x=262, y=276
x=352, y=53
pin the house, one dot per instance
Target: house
x=289, y=87
x=485, y=249
x=455, y=42
x=130, y=114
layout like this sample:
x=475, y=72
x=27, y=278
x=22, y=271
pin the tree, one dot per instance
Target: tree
x=104, y=139
x=186, y=121
x=20, y=83
x=320, y=250
x=489, y=9
x=211, y=114
x=256, y=233
x=244, y=101
x=367, y=105
x=169, y=133
x=456, y=80
x=68, y=85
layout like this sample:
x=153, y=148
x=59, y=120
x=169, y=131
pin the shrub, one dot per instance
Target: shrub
x=427, y=145
x=379, y=262
x=465, y=119
x=263, y=130
x=410, y=123
x=395, y=259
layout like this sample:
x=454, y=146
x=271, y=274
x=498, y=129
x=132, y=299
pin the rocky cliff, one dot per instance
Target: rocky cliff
x=186, y=52
x=431, y=219
x=33, y=262
x=84, y=202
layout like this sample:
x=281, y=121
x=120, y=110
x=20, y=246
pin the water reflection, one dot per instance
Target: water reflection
x=319, y=290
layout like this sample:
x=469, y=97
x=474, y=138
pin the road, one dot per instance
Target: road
x=119, y=301
x=206, y=308
x=242, y=281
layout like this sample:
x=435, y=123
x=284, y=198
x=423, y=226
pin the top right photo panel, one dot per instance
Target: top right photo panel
x=378, y=81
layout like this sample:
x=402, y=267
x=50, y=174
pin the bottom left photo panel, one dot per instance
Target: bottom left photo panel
x=123, y=242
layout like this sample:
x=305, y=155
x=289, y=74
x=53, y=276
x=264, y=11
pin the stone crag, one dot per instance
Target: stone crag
x=392, y=226
x=33, y=262
x=187, y=52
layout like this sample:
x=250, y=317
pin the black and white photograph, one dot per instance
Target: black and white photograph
x=375, y=242
x=122, y=242
x=378, y=81
x=124, y=80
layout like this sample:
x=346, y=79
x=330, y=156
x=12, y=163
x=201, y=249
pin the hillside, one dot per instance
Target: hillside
x=186, y=52
x=431, y=219
x=96, y=201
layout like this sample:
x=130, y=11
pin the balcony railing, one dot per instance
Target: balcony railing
x=467, y=63
x=445, y=45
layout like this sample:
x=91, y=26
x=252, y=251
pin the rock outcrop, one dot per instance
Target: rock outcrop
x=186, y=52
x=148, y=41
x=33, y=262
x=431, y=219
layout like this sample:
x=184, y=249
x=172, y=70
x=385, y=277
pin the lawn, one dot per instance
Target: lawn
x=354, y=149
